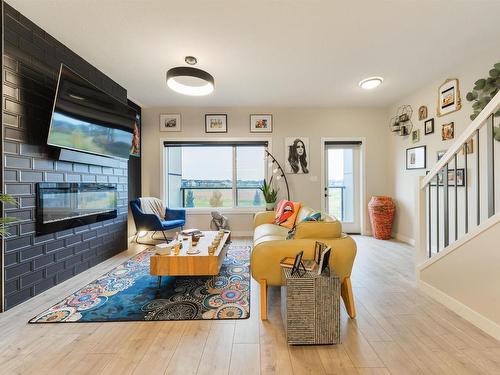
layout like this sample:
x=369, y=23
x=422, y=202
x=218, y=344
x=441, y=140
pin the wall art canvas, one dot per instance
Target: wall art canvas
x=170, y=122
x=297, y=155
x=216, y=123
x=261, y=123
x=416, y=158
x=448, y=97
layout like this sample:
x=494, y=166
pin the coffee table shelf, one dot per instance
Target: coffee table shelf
x=200, y=264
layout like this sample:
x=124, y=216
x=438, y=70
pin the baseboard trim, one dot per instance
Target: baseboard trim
x=405, y=239
x=480, y=321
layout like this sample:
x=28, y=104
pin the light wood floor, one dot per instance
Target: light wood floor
x=398, y=331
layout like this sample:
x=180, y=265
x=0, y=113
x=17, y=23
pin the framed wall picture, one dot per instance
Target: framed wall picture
x=429, y=126
x=440, y=154
x=451, y=178
x=422, y=112
x=261, y=123
x=469, y=146
x=448, y=131
x=415, y=136
x=216, y=123
x=297, y=151
x=416, y=158
x=448, y=97
x=170, y=122
x=136, y=139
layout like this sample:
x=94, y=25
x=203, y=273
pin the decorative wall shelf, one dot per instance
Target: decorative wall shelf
x=401, y=123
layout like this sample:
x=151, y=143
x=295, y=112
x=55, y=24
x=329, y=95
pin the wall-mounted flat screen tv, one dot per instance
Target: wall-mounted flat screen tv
x=87, y=119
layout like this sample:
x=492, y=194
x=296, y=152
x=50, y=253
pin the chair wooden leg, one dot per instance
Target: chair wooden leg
x=263, y=299
x=348, y=297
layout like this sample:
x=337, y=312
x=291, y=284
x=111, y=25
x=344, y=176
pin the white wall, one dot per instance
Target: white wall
x=467, y=279
x=404, y=181
x=314, y=123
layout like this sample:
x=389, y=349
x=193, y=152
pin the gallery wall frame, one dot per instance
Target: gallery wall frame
x=448, y=97
x=416, y=157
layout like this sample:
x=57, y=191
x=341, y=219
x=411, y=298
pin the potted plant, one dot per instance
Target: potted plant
x=5, y=198
x=270, y=194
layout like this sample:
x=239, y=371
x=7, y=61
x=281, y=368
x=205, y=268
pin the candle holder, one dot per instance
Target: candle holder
x=211, y=249
x=177, y=248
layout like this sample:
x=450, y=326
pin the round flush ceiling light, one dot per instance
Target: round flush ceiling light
x=370, y=83
x=187, y=80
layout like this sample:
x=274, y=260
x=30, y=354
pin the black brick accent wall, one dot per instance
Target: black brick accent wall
x=33, y=264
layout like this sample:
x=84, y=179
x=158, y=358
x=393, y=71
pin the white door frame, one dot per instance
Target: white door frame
x=362, y=177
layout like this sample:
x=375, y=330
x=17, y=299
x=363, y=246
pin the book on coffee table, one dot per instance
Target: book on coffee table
x=191, y=232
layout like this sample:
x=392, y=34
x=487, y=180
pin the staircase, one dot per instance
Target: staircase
x=458, y=224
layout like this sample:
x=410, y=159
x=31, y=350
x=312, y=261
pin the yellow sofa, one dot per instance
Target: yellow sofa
x=270, y=246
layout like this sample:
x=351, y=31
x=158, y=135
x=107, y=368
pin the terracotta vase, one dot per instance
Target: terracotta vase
x=381, y=211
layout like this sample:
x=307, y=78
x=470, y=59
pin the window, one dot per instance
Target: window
x=209, y=175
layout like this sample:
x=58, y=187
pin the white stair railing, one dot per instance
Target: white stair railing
x=460, y=192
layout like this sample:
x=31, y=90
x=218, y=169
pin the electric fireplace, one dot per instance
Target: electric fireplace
x=63, y=206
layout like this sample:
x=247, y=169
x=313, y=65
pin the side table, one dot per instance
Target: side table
x=310, y=307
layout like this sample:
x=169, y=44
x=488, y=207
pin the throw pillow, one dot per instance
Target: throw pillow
x=286, y=213
x=314, y=217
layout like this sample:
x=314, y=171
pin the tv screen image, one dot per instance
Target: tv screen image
x=87, y=119
x=71, y=133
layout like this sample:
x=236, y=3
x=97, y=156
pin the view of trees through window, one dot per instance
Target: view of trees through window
x=215, y=176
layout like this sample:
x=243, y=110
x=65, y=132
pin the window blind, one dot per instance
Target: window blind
x=173, y=143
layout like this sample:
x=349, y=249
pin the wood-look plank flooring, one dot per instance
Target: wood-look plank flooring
x=398, y=331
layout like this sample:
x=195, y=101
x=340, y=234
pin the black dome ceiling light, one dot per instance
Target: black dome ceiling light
x=191, y=81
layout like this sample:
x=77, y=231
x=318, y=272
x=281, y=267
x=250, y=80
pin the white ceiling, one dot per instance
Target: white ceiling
x=274, y=52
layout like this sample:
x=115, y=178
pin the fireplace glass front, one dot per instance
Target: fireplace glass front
x=67, y=205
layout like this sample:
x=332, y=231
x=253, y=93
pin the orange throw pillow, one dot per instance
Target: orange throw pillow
x=286, y=213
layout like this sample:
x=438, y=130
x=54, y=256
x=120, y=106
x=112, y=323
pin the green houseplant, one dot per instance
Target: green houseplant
x=270, y=194
x=5, y=198
x=484, y=90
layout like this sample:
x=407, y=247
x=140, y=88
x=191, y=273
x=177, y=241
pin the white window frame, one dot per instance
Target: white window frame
x=208, y=210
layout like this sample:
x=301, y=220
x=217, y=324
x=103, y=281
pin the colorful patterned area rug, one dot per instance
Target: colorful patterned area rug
x=130, y=293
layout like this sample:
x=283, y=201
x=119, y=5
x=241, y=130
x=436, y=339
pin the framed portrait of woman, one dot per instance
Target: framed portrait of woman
x=297, y=155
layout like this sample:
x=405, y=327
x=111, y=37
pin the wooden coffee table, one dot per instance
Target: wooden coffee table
x=201, y=264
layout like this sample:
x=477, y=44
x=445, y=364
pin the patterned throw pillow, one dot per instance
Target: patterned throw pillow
x=314, y=217
x=286, y=213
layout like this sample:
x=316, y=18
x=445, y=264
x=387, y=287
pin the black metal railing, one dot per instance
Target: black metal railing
x=466, y=171
x=339, y=215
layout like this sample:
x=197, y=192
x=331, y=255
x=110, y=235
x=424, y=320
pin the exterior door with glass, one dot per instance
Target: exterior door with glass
x=342, y=183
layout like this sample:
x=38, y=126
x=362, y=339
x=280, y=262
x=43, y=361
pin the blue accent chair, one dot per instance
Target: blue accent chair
x=174, y=218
